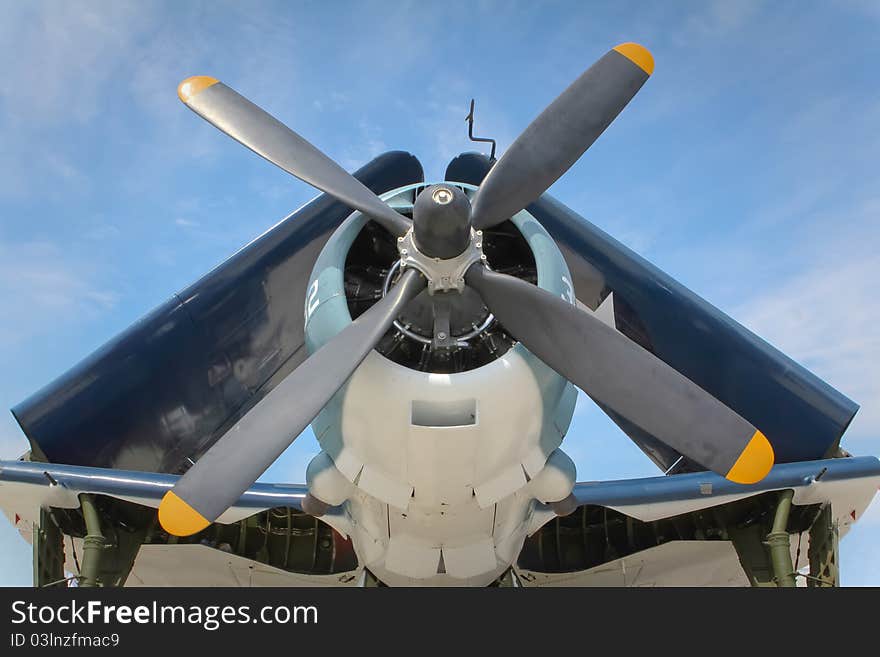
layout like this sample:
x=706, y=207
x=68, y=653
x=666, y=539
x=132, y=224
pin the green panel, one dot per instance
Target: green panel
x=48, y=546
x=824, y=554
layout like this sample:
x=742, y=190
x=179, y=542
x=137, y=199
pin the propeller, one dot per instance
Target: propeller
x=232, y=113
x=561, y=134
x=613, y=370
x=625, y=377
x=244, y=452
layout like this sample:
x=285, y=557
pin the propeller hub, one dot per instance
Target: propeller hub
x=442, y=196
x=443, y=274
x=441, y=221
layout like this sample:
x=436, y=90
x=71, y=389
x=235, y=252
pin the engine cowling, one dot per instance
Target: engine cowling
x=447, y=435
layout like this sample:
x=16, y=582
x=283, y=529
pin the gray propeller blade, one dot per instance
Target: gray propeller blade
x=249, y=125
x=561, y=133
x=623, y=376
x=218, y=479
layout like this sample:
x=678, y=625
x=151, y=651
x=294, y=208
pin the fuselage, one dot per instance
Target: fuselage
x=439, y=476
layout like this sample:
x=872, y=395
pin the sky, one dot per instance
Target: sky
x=746, y=167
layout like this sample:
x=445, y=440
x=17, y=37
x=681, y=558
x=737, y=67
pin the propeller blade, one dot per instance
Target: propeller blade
x=561, y=133
x=623, y=376
x=232, y=465
x=249, y=125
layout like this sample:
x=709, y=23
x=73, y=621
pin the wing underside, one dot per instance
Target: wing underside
x=698, y=529
x=264, y=539
x=687, y=529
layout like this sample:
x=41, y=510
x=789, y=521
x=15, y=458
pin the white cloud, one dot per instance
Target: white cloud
x=718, y=17
x=65, y=52
x=368, y=143
x=46, y=288
x=65, y=55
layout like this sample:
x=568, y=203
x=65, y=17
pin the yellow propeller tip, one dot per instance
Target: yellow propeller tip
x=638, y=55
x=179, y=518
x=754, y=462
x=194, y=85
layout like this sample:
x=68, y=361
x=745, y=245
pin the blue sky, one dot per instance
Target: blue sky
x=746, y=167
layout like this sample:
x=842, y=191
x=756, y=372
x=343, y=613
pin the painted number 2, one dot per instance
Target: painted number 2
x=312, y=299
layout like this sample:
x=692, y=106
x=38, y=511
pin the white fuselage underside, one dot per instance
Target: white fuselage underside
x=438, y=474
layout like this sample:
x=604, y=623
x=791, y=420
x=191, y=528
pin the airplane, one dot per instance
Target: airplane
x=434, y=335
